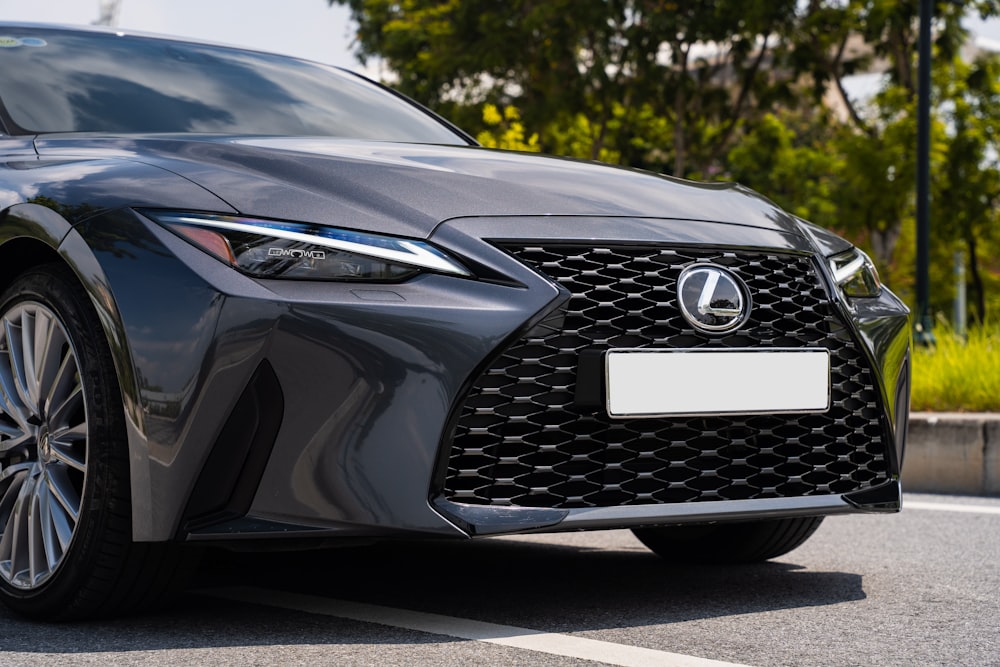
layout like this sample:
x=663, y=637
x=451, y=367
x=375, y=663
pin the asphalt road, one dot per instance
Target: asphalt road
x=920, y=588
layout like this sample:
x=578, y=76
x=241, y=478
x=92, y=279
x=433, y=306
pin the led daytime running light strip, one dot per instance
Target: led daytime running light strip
x=843, y=273
x=411, y=253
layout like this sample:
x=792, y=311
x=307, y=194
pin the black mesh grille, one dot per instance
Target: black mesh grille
x=519, y=439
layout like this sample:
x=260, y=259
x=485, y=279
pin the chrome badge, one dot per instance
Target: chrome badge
x=712, y=298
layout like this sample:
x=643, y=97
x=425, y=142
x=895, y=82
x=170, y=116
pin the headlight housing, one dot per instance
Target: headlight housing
x=855, y=274
x=280, y=249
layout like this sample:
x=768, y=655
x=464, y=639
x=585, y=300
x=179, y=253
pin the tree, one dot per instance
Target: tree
x=966, y=204
x=704, y=66
x=788, y=157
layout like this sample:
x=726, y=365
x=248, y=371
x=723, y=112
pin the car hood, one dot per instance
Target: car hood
x=409, y=189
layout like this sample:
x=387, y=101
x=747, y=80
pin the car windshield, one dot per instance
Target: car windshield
x=54, y=80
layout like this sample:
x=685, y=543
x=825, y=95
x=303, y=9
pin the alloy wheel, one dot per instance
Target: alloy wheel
x=43, y=444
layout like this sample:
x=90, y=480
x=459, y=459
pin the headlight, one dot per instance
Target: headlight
x=272, y=249
x=856, y=274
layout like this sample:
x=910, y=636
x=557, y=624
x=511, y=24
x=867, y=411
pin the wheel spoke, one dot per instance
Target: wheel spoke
x=35, y=345
x=9, y=431
x=62, y=383
x=36, y=544
x=65, y=453
x=17, y=528
x=64, y=492
x=11, y=480
x=15, y=438
x=52, y=355
x=62, y=525
x=60, y=416
x=19, y=339
x=70, y=435
x=16, y=477
x=51, y=547
x=9, y=395
x=11, y=471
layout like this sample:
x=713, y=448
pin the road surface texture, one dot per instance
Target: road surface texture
x=919, y=588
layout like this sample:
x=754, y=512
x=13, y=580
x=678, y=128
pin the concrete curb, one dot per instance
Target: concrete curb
x=952, y=452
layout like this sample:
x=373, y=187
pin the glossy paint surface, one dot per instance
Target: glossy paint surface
x=408, y=189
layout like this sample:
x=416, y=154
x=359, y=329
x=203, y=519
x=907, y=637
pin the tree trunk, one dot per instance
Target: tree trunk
x=978, y=293
x=884, y=243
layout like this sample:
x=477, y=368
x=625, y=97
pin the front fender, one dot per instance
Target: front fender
x=33, y=234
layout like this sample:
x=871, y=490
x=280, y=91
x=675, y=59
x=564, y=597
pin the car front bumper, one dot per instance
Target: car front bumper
x=263, y=409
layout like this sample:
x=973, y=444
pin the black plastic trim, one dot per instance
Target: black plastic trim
x=233, y=469
x=481, y=520
x=590, y=380
x=886, y=497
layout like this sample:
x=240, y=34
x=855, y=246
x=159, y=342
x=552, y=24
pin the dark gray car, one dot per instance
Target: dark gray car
x=249, y=298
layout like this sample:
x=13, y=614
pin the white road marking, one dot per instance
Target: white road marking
x=950, y=507
x=505, y=635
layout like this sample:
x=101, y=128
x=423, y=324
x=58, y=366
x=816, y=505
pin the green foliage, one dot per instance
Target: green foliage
x=561, y=60
x=967, y=188
x=795, y=170
x=575, y=135
x=506, y=130
x=958, y=375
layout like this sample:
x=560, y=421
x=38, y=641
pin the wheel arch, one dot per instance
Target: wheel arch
x=32, y=235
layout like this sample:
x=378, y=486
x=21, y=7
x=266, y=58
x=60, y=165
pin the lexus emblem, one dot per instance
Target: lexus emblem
x=712, y=298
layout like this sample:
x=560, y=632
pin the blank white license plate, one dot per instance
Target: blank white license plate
x=652, y=383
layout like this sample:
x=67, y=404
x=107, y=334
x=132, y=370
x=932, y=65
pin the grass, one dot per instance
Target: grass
x=956, y=375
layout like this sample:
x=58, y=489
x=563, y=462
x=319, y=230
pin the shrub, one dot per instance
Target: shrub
x=956, y=374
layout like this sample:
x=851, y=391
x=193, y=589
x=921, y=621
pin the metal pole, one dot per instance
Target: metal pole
x=924, y=324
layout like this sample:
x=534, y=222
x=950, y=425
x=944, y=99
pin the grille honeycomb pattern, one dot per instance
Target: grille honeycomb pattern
x=520, y=440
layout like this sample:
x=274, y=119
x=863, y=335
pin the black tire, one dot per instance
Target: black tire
x=66, y=453
x=749, y=542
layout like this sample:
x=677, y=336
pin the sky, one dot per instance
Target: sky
x=308, y=29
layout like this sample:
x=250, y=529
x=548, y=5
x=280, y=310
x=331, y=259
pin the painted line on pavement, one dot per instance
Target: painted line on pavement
x=569, y=646
x=950, y=507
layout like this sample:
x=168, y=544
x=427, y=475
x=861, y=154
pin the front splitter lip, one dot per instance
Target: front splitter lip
x=477, y=520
